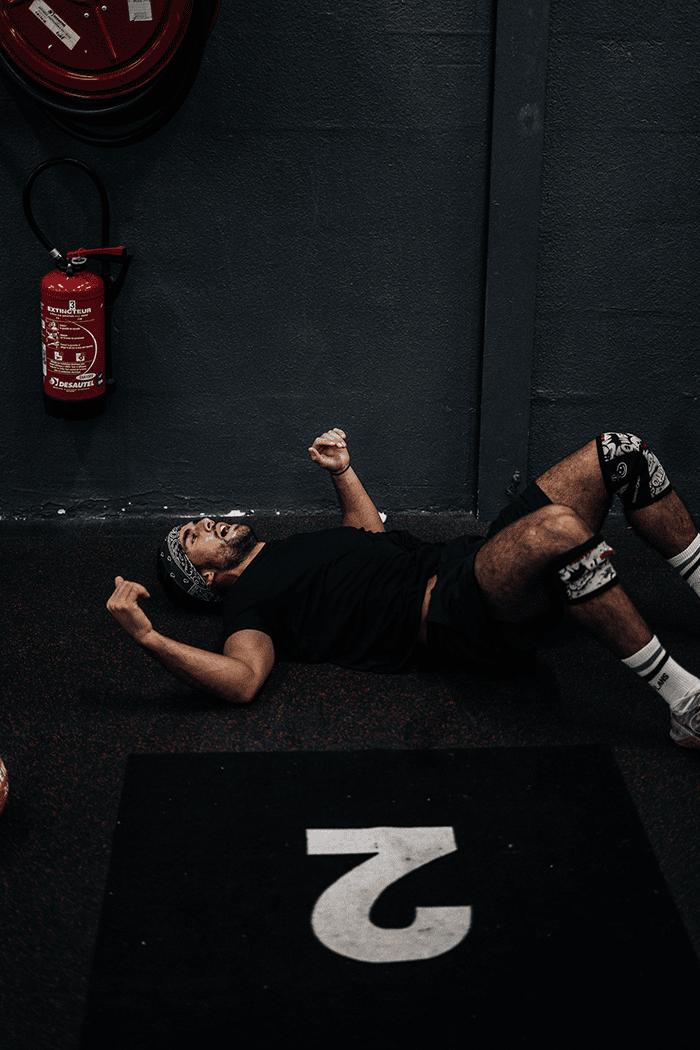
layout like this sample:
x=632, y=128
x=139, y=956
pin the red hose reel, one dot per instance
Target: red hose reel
x=107, y=63
x=93, y=50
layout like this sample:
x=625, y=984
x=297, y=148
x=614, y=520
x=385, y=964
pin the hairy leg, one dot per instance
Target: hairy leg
x=613, y=620
x=577, y=482
x=665, y=525
x=513, y=568
x=514, y=573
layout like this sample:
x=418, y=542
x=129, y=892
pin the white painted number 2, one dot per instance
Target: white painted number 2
x=340, y=918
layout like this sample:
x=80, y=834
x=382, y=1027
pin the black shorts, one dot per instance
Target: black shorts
x=459, y=628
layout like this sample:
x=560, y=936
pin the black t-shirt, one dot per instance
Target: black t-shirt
x=342, y=596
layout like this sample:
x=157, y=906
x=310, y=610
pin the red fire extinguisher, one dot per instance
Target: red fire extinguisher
x=73, y=343
x=75, y=314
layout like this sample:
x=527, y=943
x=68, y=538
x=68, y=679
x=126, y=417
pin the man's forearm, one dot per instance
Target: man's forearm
x=224, y=676
x=358, y=509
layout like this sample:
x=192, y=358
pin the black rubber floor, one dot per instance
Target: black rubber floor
x=78, y=698
x=368, y=898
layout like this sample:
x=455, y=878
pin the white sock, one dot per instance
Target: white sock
x=688, y=564
x=655, y=666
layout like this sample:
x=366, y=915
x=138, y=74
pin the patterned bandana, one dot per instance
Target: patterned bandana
x=182, y=571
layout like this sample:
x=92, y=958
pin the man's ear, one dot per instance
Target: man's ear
x=208, y=576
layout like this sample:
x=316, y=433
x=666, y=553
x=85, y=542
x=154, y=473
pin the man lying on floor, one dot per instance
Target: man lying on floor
x=364, y=598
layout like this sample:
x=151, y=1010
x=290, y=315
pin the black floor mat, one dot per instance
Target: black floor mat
x=561, y=915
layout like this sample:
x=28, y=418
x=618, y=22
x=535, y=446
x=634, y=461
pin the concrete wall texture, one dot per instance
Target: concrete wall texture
x=619, y=244
x=309, y=240
x=308, y=236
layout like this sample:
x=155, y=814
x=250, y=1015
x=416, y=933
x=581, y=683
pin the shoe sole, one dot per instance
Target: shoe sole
x=682, y=736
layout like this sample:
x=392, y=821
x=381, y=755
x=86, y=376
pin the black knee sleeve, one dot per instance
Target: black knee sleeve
x=631, y=470
x=585, y=571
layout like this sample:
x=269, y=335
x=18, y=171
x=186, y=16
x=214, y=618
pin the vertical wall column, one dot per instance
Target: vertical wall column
x=514, y=205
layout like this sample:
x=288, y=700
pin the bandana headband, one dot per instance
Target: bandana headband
x=182, y=571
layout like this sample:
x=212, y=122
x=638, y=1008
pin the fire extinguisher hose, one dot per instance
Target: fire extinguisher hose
x=27, y=201
x=113, y=285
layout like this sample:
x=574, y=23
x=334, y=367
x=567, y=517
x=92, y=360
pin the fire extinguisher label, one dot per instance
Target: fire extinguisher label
x=52, y=21
x=140, y=11
x=73, y=349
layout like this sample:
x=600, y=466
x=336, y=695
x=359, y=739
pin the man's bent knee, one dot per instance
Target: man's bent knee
x=631, y=470
x=553, y=530
x=581, y=565
x=515, y=569
x=522, y=553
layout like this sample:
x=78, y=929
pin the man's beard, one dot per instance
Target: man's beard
x=238, y=547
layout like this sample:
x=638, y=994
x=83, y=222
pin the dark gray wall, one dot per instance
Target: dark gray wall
x=619, y=248
x=308, y=238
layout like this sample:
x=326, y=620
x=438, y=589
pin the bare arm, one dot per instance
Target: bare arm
x=236, y=676
x=330, y=452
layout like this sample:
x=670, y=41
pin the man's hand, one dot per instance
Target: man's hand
x=330, y=451
x=124, y=607
x=236, y=676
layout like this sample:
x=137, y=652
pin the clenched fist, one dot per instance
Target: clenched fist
x=330, y=451
x=124, y=607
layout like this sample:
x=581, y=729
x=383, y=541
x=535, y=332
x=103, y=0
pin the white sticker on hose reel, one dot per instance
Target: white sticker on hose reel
x=57, y=26
x=140, y=11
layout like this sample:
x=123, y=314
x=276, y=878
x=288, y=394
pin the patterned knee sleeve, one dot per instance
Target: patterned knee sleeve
x=585, y=571
x=631, y=470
